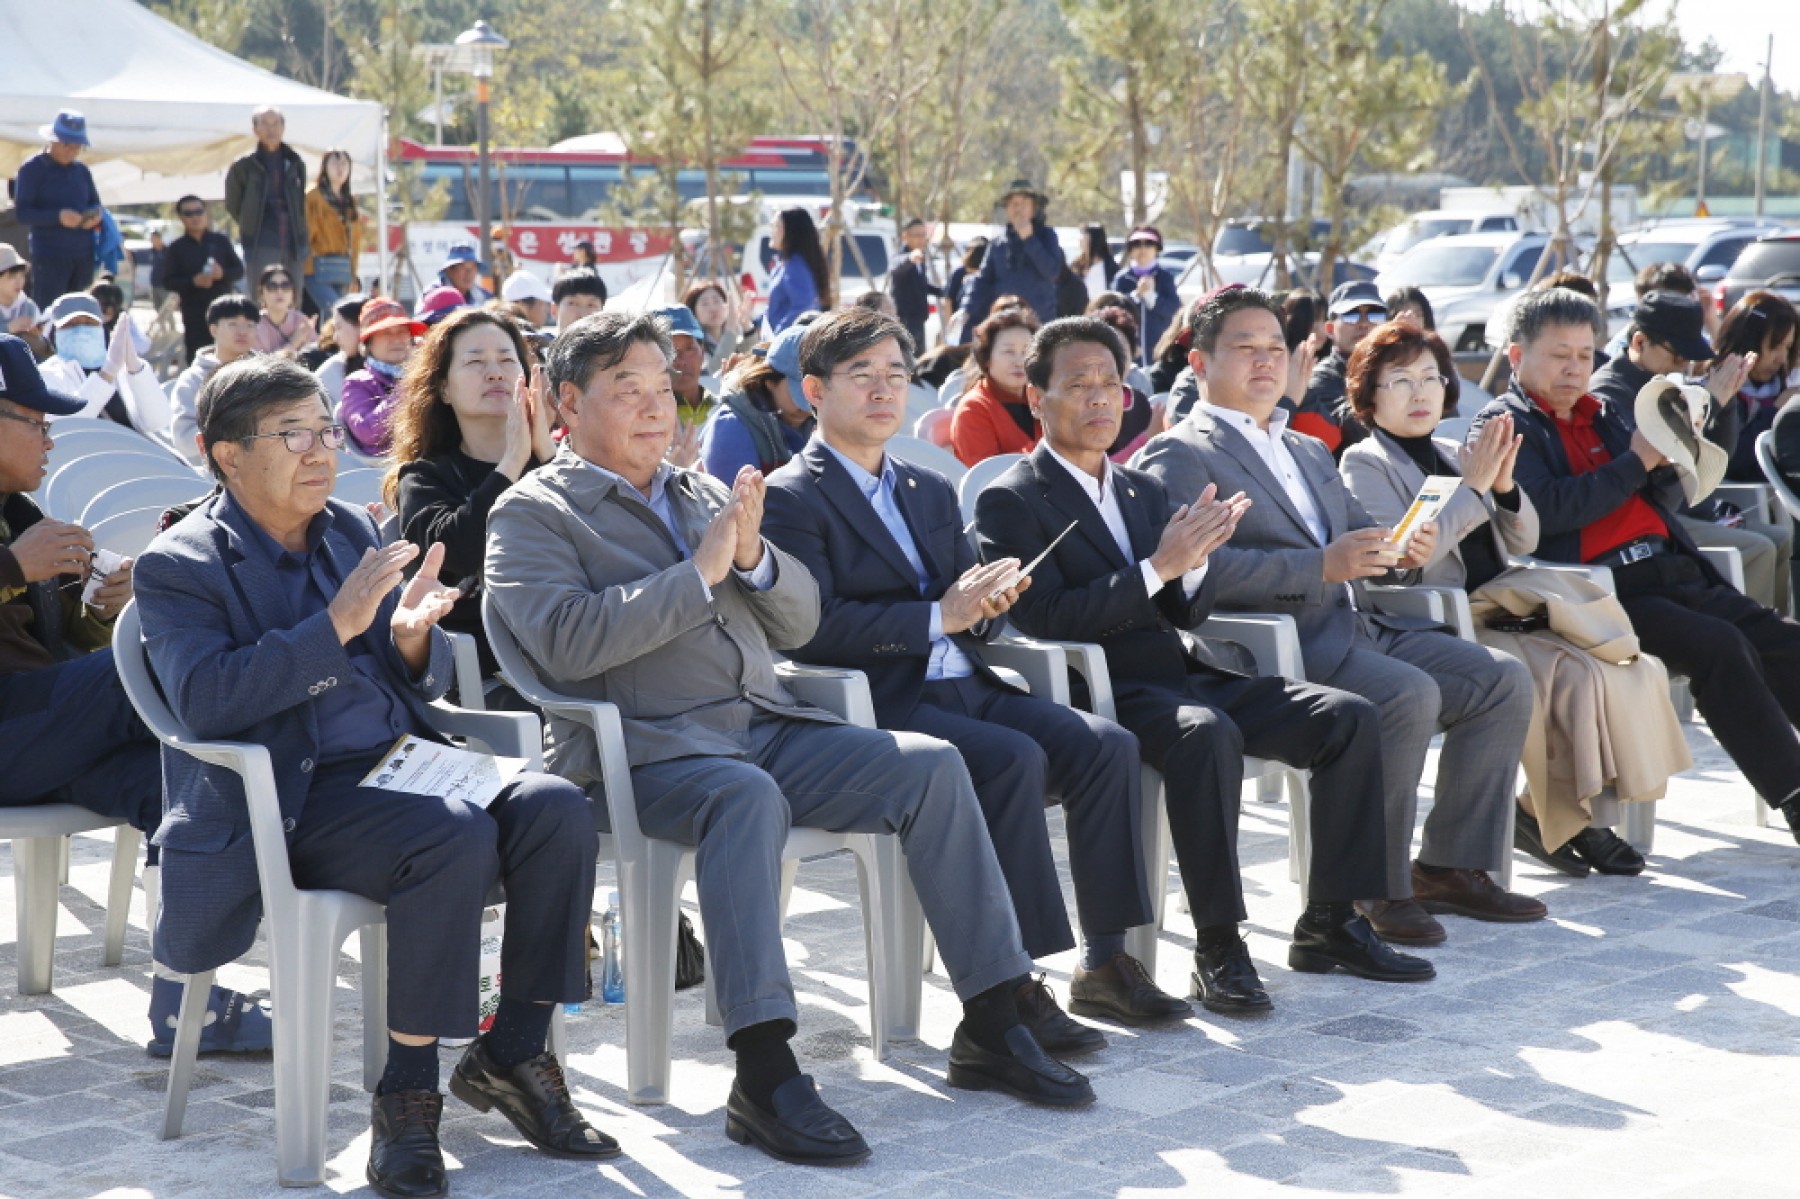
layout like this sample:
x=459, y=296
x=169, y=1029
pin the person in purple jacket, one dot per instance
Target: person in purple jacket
x=368, y=403
x=56, y=198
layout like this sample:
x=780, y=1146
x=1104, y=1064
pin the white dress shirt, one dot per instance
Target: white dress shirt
x=1279, y=459
x=1105, y=496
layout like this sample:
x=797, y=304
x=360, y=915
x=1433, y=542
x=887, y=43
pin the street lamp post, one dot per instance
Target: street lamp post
x=1710, y=89
x=481, y=42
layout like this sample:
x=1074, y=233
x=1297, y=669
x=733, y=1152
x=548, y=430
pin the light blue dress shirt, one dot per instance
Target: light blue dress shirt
x=947, y=661
x=760, y=579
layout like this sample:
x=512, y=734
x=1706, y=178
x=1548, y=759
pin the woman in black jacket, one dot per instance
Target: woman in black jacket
x=467, y=427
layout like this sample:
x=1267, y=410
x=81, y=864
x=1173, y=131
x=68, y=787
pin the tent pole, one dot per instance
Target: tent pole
x=381, y=210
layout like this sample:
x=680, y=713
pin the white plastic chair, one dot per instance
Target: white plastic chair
x=1454, y=428
x=1771, y=469
x=160, y=492
x=126, y=533
x=923, y=453
x=71, y=488
x=305, y=928
x=40, y=834
x=69, y=428
x=979, y=476
x=360, y=486
x=933, y=427
x=651, y=873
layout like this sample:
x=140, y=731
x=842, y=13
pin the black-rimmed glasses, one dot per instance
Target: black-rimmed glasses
x=299, y=441
x=42, y=426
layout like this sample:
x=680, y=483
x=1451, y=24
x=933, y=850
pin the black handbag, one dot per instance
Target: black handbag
x=690, y=956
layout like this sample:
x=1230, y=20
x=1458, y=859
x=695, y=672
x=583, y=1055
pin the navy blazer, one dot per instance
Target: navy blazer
x=236, y=668
x=873, y=616
x=1086, y=590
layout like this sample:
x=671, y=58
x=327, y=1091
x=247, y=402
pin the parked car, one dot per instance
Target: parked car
x=1437, y=222
x=1708, y=248
x=1467, y=277
x=1258, y=270
x=1771, y=262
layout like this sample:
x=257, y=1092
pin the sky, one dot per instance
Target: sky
x=1742, y=29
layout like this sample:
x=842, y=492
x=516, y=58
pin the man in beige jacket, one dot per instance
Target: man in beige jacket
x=629, y=581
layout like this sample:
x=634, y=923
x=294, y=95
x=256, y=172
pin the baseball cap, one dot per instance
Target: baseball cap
x=522, y=285
x=1677, y=321
x=683, y=322
x=384, y=313
x=23, y=384
x=66, y=308
x=1357, y=293
x=439, y=302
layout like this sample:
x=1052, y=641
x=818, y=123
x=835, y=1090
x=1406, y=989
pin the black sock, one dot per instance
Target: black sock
x=1321, y=911
x=409, y=1068
x=518, y=1033
x=990, y=1014
x=764, y=1059
x=1435, y=870
x=1215, y=936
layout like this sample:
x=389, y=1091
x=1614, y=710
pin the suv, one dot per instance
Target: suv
x=1467, y=277
x=1708, y=248
x=1772, y=262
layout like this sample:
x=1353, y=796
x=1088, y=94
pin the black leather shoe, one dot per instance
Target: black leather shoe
x=1606, y=851
x=1351, y=945
x=1027, y=1072
x=1123, y=990
x=1528, y=837
x=404, y=1159
x=535, y=1098
x=801, y=1130
x=1050, y=1026
x=1225, y=980
x=1790, y=811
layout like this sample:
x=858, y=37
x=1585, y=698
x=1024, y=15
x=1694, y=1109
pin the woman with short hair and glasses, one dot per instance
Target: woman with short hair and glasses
x=1603, y=717
x=284, y=330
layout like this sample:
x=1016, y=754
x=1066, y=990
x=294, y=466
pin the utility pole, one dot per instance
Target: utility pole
x=1762, y=126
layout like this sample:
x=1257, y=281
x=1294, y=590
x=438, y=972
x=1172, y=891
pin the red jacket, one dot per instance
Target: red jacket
x=982, y=427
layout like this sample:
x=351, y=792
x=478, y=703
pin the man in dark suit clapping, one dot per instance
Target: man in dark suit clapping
x=903, y=599
x=1131, y=576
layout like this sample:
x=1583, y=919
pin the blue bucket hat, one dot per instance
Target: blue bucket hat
x=681, y=320
x=69, y=126
x=462, y=251
x=21, y=382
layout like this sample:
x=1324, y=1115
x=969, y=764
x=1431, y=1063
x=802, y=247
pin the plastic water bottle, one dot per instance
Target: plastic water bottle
x=612, y=969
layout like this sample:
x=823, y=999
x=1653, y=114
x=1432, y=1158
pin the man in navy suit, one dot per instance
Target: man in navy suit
x=273, y=614
x=1133, y=575
x=903, y=599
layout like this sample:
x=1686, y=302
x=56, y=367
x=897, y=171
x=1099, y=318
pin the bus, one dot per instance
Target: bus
x=543, y=202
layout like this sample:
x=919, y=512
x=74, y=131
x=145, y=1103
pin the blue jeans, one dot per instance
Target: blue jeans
x=330, y=279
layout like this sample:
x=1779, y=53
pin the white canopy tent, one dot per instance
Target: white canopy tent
x=166, y=112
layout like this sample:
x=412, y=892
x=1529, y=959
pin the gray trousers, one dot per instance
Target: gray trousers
x=1481, y=699
x=840, y=778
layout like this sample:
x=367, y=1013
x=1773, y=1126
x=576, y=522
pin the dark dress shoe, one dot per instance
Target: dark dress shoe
x=404, y=1159
x=1122, y=990
x=1050, y=1026
x=1401, y=921
x=1320, y=947
x=1528, y=836
x=1225, y=980
x=1606, y=851
x=535, y=1098
x=801, y=1130
x=1790, y=811
x=1026, y=1072
x=1473, y=894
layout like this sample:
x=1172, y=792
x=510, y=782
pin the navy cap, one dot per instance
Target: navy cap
x=682, y=321
x=1357, y=293
x=21, y=382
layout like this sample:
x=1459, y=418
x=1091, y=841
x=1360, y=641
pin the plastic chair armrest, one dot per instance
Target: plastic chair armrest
x=1272, y=638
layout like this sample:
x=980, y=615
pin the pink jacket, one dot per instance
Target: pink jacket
x=367, y=407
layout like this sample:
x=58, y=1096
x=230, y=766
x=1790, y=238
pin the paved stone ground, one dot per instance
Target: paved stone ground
x=1641, y=1043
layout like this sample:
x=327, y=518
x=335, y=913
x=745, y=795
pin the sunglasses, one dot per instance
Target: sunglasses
x=278, y=285
x=191, y=211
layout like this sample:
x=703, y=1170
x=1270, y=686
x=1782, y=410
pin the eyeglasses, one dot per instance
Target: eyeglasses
x=1373, y=316
x=191, y=211
x=300, y=441
x=1405, y=387
x=864, y=381
x=278, y=285
x=42, y=426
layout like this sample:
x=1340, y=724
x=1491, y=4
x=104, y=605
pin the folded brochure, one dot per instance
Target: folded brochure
x=420, y=767
x=1428, y=505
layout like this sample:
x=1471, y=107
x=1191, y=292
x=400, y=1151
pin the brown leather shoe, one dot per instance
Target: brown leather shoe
x=1473, y=894
x=1401, y=921
x=1123, y=990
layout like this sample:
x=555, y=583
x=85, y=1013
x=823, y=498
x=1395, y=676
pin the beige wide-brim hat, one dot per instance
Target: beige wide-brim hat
x=1671, y=414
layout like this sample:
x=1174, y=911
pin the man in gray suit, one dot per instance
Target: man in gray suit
x=1302, y=549
x=629, y=581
